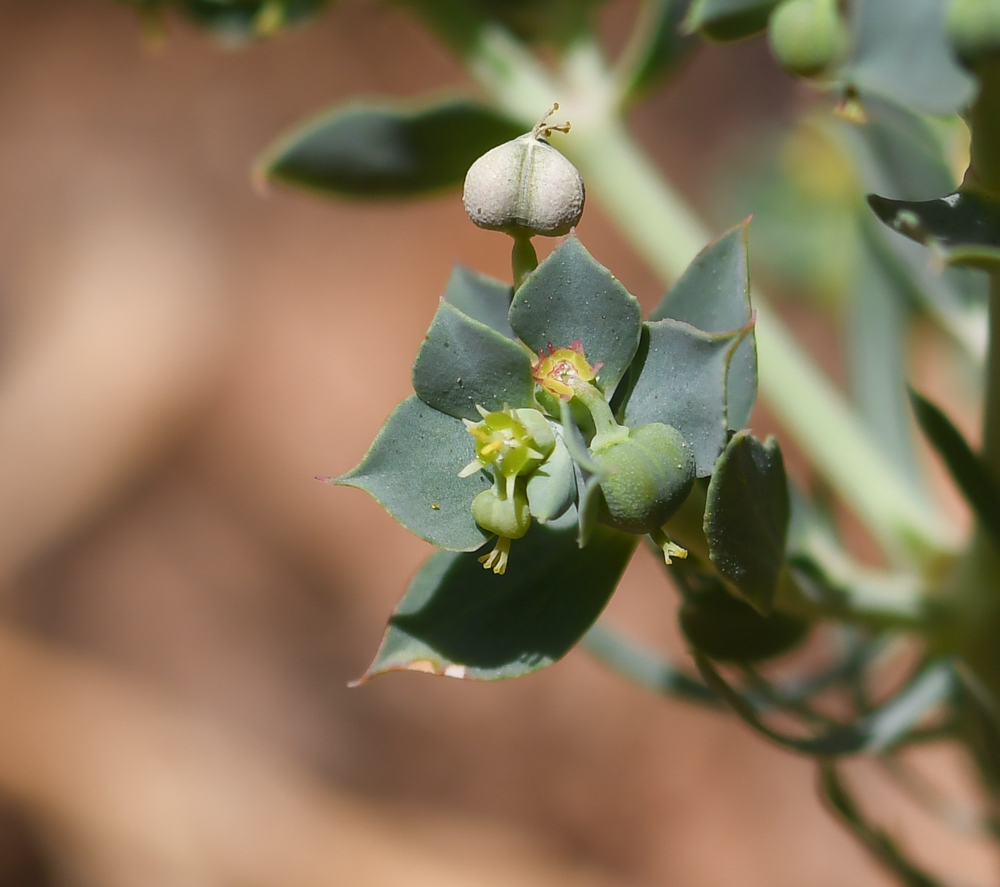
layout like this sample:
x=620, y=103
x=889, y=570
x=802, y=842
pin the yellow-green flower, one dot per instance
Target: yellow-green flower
x=564, y=369
x=510, y=442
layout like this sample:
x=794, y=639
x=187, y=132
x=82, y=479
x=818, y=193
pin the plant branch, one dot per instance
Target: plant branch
x=666, y=232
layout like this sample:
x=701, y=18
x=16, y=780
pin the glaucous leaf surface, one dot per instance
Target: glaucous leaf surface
x=897, y=153
x=480, y=297
x=713, y=295
x=746, y=517
x=660, y=48
x=729, y=630
x=368, y=150
x=551, y=488
x=682, y=382
x=411, y=470
x=571, y=296
x=964, y=228
x=728, y=19
x=463, y=362
x=900, y=51
x=459, y=620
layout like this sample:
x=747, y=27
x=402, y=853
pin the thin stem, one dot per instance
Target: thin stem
x=523, y=259
x=644, y=668
x=607, y=428
x=882, y=847
x=991, y=414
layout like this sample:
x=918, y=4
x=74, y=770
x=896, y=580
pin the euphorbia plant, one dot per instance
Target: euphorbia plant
x=551, y=429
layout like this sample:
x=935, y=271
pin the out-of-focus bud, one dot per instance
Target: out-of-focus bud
x=525, y=186
x=805, y=35
x=649, y=474
x=973, y=28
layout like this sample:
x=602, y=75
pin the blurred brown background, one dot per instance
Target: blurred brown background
x=183, y=605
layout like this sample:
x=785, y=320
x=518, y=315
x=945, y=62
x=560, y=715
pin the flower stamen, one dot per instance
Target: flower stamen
x=497, y=559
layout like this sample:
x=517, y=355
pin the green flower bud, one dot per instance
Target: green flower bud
x=973, y=28
x=525, y=186
x=805, y=35
x=649, y=474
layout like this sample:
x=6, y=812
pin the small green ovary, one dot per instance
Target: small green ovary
x=649, y=475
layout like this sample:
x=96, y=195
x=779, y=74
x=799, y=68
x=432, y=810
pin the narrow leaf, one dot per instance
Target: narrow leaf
x=884, y=849
x=386, y=151
x=412, y=469
x=883, y=728
x=727, y=20
x=971, y=476
x=571, y=296
x=963, y=228
x=746, y=517
x=460, y=620
x=463, y=363
x=660, y=46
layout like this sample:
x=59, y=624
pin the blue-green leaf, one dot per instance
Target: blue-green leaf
x=713, y=295
x=746, y=517
x=897, y=153
x=551, y=487
x=463, y=362
x=386, y=151
x=658, y=48
x=726, y=20
x=460, y=620
x=900, y=51
x=481, y=297
x=412, y=469
x=682, y=382
x=963, y=228
x=729, y=630
x=571, y=296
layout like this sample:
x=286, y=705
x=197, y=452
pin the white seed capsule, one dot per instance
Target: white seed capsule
x=525, y=185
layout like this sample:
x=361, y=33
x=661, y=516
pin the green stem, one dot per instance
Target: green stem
x=974, y=588
x=668, y=235
x=984, y=123
x=606, y=427
x=523, y=259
